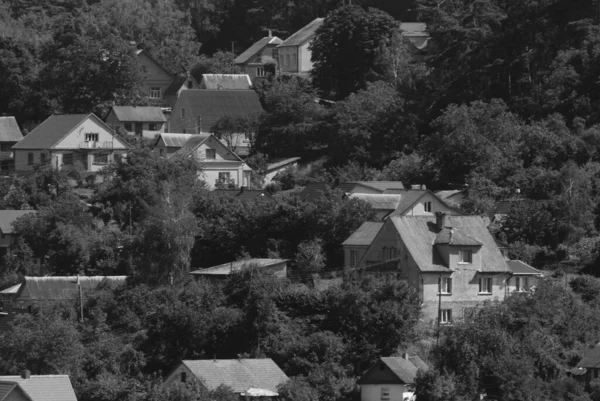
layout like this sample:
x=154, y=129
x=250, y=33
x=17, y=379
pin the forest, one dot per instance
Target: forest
x=502, y=103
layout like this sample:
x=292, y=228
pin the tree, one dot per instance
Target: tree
x=236, y=130
x=345, y=47
x=310, y=258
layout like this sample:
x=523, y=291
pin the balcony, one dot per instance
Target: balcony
x=96, y=145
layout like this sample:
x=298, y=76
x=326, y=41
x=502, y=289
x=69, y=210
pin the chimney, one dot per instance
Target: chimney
x=270, y=34
x=418, y=186
x=441, y=220
x=26, y=374
x=405, y=355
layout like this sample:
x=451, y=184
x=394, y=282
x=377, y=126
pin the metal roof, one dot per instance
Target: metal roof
x=8, y=217
x=518, y=267
x=139, y=113
x=226, y=82
x=174, y=140
x=44, y=387
x=365, y=234
x=238, y=374
x=305, y=34
x=9, y=130
x=63, y=287
x=256, y=47
x=11, y=290
x=444, y=195
x=231, y=267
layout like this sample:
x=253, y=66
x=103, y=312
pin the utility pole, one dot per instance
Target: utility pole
x=232, y=46
x=80, y=298
x=439, y=308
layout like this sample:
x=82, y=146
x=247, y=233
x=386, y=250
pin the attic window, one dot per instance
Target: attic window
x=465, y=256
x=183, y=377
x=211, y=154
x=91, y=137
x=155, y=93
x=427, y=206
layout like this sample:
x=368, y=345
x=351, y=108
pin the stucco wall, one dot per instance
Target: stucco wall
x=304, y=55
x=21, y=159
x=89, y=126
x=372, y=392
x=436, y=206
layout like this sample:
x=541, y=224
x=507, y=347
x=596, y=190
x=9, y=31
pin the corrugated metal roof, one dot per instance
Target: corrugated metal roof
x=174, y=140
x=226, y=82
x=255, y=48
x=139, y=113
x=453, y=236
x=304, y=34
x=45, y=388
x=365, y=234
x=239, y=374
x=228, y=268
x=63, y=287
x=9, y=130
x=413, y=27
x=519, y=267
x=419, y=232
x=379, y=201
x=8, y=217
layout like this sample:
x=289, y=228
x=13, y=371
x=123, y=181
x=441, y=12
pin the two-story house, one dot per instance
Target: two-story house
x=156, y=78
x=143, y=121
x=294, y=53
x=219, y=164
x=452, y=261
x=63, y=140
x=10, y=134
x=254, y=60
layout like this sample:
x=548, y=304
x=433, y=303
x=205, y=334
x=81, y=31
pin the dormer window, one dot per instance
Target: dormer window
x=465, y=256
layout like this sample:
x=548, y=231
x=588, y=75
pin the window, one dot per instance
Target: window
x=446, y=285
x=91, y=137
x=68, y=158
x=128, y=127
x=154, y=93
x=522, y=283
x=427, y=207
x=183, y=377
x=224, y=177
x=5, y=147
x=385, y=393
x=152, y=127
x=190, y=84
x=182, y=112
x=294, y=60
x=465, y=256
x=485, y=285
x=446, y=316
x=101, y=158
x=260, y=72
x=211, y=154
x=30, y=159
x=42, y=158
x=162, y=151
x=353, y=258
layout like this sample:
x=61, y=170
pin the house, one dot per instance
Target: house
x=453, y=262
x=313, y=190
x=243, y=194
x=277, y=267
x=453, y=196
x=55, y=288
x=144, y=121
x=416, y=33
x=357, y=244
x=10, y=134
x=7, y=219
x=382, y=204
x=246, y=377
x=198, y=110
x=64, y=140
x=589, y=367
x=8, y=296
x=256, y=59
x=524, y=277
x=226, y=82
x=156, y=78
x=391, y=379
x=220, y=165
x=28, y=387
x=180, y=83
x=294, y=53
x=275, y=166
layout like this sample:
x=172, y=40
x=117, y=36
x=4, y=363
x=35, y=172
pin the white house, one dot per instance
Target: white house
x=294, y=53
x=391, y=379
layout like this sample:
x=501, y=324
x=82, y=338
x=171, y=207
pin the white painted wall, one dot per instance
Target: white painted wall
x=372, y=392
x=304, y=55
x=90, y=125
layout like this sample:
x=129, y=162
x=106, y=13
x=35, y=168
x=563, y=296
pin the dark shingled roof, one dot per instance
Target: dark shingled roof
x=8, y=217
x=63, y=287
x=313, y=190
x=211, y=105
x=304, y=34
x=9, y=130
x=591, y=359
x=239, y=374
x=139, y=113
x=365, y=234
x=49, y=132
x=44, y=387
x=255, y=48
x=519, y=267
x=453, y=236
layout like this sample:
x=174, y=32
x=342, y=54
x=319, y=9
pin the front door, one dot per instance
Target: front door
x=138, y=129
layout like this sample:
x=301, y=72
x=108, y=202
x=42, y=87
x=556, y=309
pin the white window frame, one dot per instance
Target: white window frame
x=102, y=158
x=445, y=316
x=446, y=285
x=260, y=72
x=522, y=284
x=486, y=285
x=385, y=393
x=427, y=206
x=92, y=137
x=155, y=93
x=465, y=256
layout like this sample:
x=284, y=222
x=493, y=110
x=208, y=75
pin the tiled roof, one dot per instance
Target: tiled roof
x=49, y=132
x=365, y=234
x=8, y=217
x=44, y=388
x=453, y=236
x=255, y=48
x=228, y=268
x=591, y=359
x=519, y=267
x=211, y=105
x=379, y=201
x=139, y=113
x=174, y=140
x=239, y=374
x=304, y=34
x=63, y=287
x=226, y=82
x=419, y=232
x=9, y=130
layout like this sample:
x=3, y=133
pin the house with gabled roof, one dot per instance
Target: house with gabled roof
x=391, y=378
x=453, y=262
x=220, y=165
x=156, y=77
x=28, y=387
x=245, y=377
x=357, y=244
x=10, y=134
x=294, y=53
x=142, y=121
x=66, y=139
x=254, y=60
x=524, y=277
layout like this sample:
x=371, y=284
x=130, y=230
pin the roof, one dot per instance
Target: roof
x=453, y=236
x=519, y=267
x=304, y=34
x=177, y=83
x=8, y=217
x=11, y=290
x=413, y=27
x=43, y=387
x=591, y=359
x=9, y=130
x=279, y=163
x=63, y=287
x=419, y=233
x=256, y=47
x=313, y=190
x=404, y=370
x=380, y=186
x=379, y=201
x=365, y=234
x=174, y=140
x=238, y=265
x=445, y=195
x=211, y=105
x=141, y=113
x=239, y=374
x=418, y=362
x=226, y=82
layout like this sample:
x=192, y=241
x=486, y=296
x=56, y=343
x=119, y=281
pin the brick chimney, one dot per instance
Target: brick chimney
x=26, y=374
x=441, y=220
